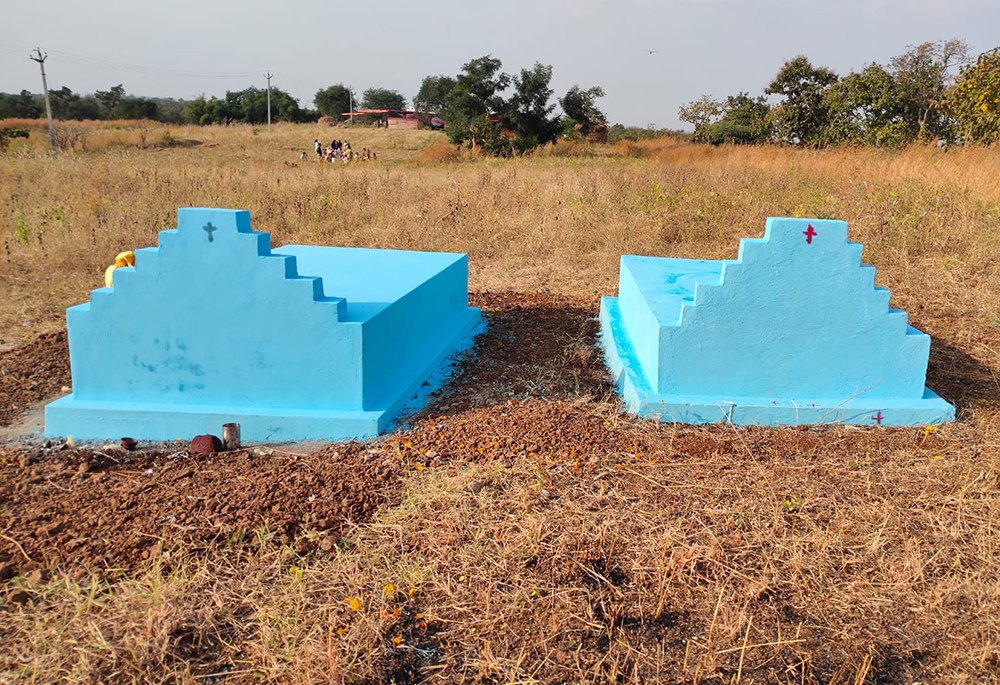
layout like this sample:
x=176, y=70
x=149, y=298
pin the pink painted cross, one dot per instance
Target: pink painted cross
x=809, y=234
x=878, y=418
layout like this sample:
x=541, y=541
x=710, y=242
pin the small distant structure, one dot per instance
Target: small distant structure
x=301, y=342
x=791, y=332
x=400, y=119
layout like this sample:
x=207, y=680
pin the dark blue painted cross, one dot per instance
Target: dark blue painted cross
x=208, y=229
x=809, y=234
x=878, y=417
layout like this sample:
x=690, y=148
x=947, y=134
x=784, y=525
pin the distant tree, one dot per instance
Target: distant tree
x=171, y=110
x=67, y=105
x=204, y=111
x=490, y=137
x=974, y=100
x=22, y=106
x=580, y=108
x=284, y=107
x=739, y=119
x=135, y=108
x=801, y=117
x=701, y=113
x=334, y=101
x=744, y=121
x=528, y=111
x=433, y=95
x=382, y=98
x=922, y=74
x=109, y=99
x=476, y=95
x=251, y=104
x=230, y=108
x=867, y=108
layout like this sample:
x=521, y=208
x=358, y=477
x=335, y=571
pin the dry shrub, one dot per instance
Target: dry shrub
x=439, y=153
x=31, y=124
x=630, y=148
x=571, y=148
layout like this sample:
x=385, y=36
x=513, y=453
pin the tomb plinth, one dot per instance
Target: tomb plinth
x=791, y=332
x=300, y=342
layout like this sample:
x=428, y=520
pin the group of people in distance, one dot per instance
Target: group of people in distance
x=340, y=150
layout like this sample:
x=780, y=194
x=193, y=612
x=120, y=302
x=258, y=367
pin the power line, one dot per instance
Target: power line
x=100, y=63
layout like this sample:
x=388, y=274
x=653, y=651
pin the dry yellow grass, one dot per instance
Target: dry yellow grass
x=928, y=218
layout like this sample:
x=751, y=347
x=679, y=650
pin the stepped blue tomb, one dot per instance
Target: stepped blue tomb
x=299, y=342
x=793, y=331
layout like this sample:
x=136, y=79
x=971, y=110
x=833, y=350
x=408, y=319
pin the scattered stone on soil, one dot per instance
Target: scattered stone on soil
x=205, y=444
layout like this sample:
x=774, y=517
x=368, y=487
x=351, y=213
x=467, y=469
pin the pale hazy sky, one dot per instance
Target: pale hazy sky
x=181, y=48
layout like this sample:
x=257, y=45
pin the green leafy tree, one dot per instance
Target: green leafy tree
x=528, y=111
x=334, y=101
x=382, y=98
x=802, y=115
x=580, y=108
x=135, y=108
x=867, y=108
x=490, y=137
x=171, y=110
x=744, y=121
x=201, y=111
x=213, y=110
x=922, y=75
x=476, y=95
x=67, y=105
x=433, y=94
x=109, y=99
x=701, y=113
x=21, y=106
x=739, y=119
x=251, y=103
x=974, y=100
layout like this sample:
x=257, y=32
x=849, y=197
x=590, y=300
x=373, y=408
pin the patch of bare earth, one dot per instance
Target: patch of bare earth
x=31, y=373
x=521, y=529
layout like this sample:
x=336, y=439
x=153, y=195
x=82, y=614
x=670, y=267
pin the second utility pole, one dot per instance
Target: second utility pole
x=45, y=89
x=268, y=76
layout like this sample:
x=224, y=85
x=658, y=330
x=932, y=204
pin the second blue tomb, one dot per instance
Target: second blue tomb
x=791, y=332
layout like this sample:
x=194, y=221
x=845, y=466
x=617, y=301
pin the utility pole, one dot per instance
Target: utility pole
x=45, y=89
x=268, y=76
x=350, y=94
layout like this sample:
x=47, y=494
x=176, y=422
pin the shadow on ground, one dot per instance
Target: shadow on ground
x=961, y=379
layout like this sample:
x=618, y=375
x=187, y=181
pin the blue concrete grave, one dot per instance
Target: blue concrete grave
x=793, y=331
x=300, y=342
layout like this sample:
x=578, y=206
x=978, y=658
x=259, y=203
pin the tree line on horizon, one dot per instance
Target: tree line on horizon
x=482, y=105
x=916, y=97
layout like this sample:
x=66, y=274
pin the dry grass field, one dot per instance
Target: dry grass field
x=527, y=531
